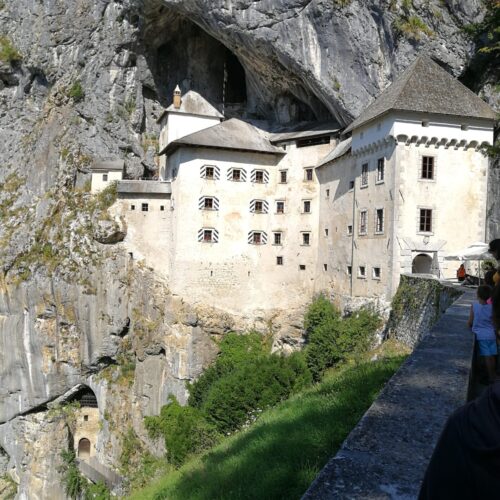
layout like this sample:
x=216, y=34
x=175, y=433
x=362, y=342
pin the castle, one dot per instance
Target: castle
x=249, y=220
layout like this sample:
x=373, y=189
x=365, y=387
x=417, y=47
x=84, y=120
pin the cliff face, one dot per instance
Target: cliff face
x=85, y=80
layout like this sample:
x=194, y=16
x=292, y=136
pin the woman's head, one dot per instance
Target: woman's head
x=483, y=292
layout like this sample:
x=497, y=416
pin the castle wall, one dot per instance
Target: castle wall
x=97, y=182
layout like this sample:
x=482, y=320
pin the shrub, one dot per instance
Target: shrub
x=184, y=429
x=76, y=91
x=412, y=27
x=8, y=53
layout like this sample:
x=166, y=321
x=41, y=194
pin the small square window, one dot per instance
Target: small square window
x=325, y=267
x=280, y=207
x=259, y=207
x=349, y=270
x=132, y=207
x=259, y=176
x=105, y=177
x=308, y=174
x=376, y=273
x=162, y=208
x=349, y=229
x=283, y=176
x=85, y=418
x=207, y=235
x=351, y=185
x=307, y=206
x=427, y=171
x=380, y=169
x=145, y=207
x=364, y=175
x=236, y=176
x=425, y=123
x=279, y=260
x=209, y=172
x=326, y=231
x=277, y=238
x=257, y=238
x=362, y=272
x=306, y=239
x=302, y=267
x=208, y=203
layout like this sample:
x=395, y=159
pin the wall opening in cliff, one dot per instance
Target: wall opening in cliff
x=84, y=449
x=241, y=81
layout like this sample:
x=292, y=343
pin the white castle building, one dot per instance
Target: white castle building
x=245, y=220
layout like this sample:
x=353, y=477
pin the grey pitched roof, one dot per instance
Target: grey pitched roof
x=107, y=165
x=194, y=104
x=305, y=130
x=341, y=149
x=231, y=134
x=427, y=88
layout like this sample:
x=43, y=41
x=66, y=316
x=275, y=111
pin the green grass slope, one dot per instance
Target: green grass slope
x=281, y=454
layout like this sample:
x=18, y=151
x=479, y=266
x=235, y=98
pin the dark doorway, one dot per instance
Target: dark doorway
x=422, y=264
x=84, y=449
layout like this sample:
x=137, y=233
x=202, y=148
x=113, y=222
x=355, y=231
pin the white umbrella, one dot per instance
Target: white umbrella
x=476, y=251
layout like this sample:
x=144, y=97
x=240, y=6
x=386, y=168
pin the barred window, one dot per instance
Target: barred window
x=283, y=176
x=364, y=175
x=362, y=222
x=427, y=167
x=379, y=221
x=380, y=169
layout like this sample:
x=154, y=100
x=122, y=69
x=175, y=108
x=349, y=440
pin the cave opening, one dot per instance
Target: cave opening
x=238, y=81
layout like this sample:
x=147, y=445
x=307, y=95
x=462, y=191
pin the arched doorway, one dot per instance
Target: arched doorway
x=84, y=449
x=422, y=264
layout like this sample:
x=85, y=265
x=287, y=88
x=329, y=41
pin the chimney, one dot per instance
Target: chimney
x=177, y=97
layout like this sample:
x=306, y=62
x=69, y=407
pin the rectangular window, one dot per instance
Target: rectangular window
x=208, y=204
x=280, y=207
x=307, y=206
x=306, y=239
x=362, y=222
x=364, y=175
x=258, y=207
x=302, y=267
x=349, y=229
x=379, y=221
x=236, y=174
x=277, y=238
x=162, y=208
x=209, y=172
x=259, y=176
x=308, y=174
x=349, y=270
x=105, y=177
x=351, y=185
x=279, y=260
x=362, y=272
x=325, y=267
x=145, y=207
x=283, y=176
x=207, y=235
x=257, y=238
x=427, y=167
x=326, y=231
x=425, y=220
x=328, y=193
x=376, y=273
x=380, y=169
x=132, y=207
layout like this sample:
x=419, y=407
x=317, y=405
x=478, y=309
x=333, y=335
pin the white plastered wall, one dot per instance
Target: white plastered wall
x=98, y=183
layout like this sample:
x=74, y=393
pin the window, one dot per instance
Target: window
x=328, y=193
x=379, y=221
x=349, y=270
x=306, y=239
x=280, y=207
x=362, y=272
x=325, y=267
x=132, y=207
x=302, y=267
x=236, y=174
x=313, y=141
x=326, y=231
x=380, y=169
x=209, y=172
x=258, y=207
x=307, y=206
x=425, y=123
x=351, y=185
x=279, y=260
x=145, y=207
x=425, y=220
x=277, y=238
x=308, y=174
x=259, y=176
x=376, y=273
x=257, y=238
x=427, y=167
x=283, y=176
x=208, y=235
x=364, y=175
x=162, y=208
x=349, y=229
x=362, y=222
x=85, y=418
x=105, y=177
x=208, y=203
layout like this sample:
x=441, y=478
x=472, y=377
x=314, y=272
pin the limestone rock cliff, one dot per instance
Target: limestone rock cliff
x=84, y=81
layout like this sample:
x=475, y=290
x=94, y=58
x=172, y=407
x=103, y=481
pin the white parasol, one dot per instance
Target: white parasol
x=476, y=251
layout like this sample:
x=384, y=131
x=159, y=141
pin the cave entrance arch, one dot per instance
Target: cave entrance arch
x=84, y=449
x=422, y=264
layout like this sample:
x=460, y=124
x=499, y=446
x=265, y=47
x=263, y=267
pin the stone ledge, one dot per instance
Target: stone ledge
x=386, y=454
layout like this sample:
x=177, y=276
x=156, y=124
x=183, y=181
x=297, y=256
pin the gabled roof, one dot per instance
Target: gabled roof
x=425, y=87
x=231, y=134
x=193, y=103
x=341, y=149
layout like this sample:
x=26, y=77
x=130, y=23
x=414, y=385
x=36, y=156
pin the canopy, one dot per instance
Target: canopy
x=476, y=251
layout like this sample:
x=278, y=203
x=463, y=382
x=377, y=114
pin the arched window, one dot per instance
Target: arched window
x=84, y=449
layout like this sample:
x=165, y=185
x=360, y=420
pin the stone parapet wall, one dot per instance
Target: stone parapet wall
x=387, y=453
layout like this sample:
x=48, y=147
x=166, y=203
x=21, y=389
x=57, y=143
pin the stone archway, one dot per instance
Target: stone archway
x=422, y=264
x=84, y=449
